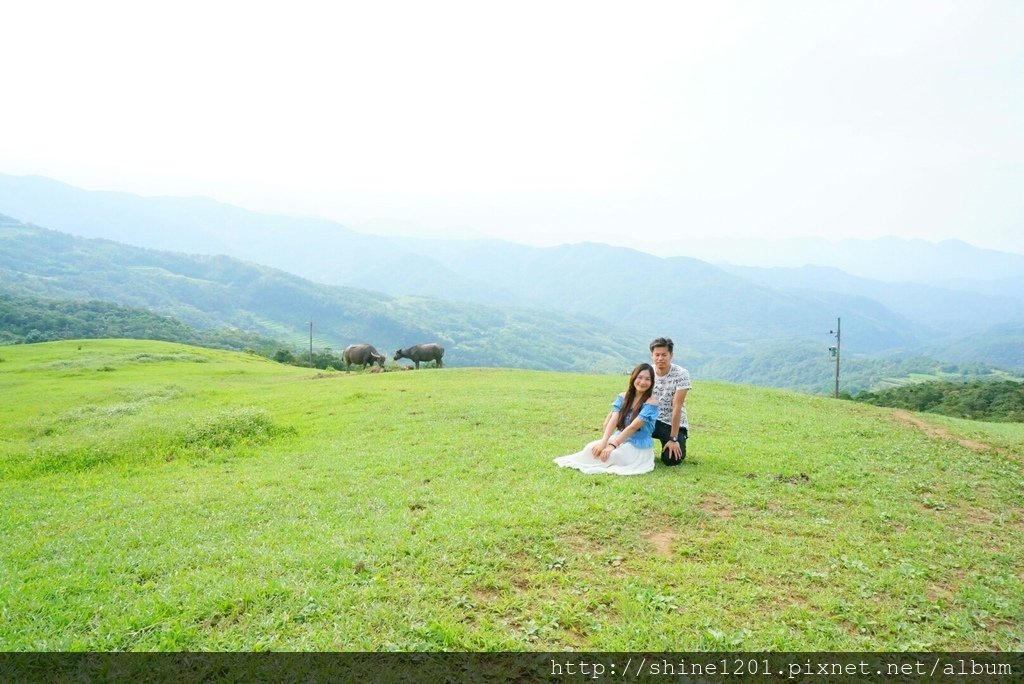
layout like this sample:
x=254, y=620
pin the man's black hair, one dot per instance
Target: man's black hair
x=662, y=342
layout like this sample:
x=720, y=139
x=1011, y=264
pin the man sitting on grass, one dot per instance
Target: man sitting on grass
x=671, y=384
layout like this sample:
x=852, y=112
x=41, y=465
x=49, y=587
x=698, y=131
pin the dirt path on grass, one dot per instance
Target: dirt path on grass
x=939, y=432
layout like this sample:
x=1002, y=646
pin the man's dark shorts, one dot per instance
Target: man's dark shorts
x=662, y=431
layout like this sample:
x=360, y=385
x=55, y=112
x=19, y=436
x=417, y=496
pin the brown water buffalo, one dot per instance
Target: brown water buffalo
x=362, y=355
x=421, y=352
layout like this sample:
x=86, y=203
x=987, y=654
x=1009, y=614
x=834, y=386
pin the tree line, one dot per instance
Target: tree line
x=807, y=367
x=996, y=401
x=25, y=320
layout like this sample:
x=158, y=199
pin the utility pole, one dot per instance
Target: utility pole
x=835, y=352
x=311, y=344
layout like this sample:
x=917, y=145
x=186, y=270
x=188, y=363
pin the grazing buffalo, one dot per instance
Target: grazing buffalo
x=421, y=352
x=362, y=355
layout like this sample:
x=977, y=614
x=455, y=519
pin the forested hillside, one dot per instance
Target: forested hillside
x=810, y=368
x=215, y=292
x=35, y=319
x=989, y=401
x=712, y=313
x=1001, y=345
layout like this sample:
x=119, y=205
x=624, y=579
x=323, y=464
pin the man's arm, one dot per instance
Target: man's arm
x=674, y=450
x=677, y=410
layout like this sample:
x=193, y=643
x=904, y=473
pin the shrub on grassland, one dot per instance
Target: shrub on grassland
x=241, y=425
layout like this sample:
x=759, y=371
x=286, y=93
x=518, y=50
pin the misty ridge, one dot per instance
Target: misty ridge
x=907, y=306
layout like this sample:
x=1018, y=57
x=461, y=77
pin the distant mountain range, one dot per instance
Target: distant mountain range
x=950, y=263
x=946, y=311
x=213, y=292
x=600, y=302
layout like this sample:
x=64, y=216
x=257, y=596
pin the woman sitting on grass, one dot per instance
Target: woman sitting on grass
x=626, y=448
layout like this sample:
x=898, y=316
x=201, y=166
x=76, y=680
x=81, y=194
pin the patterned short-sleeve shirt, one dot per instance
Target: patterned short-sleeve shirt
x=665, y=387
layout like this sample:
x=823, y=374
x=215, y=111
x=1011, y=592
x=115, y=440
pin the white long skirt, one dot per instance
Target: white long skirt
x=625, y=460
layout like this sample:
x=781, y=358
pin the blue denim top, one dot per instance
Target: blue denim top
x=649, y=414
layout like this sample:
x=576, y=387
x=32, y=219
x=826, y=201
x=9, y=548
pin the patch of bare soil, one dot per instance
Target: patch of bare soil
x=486, y=596
x=946, y=591
x=581, y=545
x=801, y=478
x=715, y=506
x=662, y=541
x=1017, y=517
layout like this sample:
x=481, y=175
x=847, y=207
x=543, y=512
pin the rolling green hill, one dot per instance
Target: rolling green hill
x=35, y=319
x=1001, y=345
x=810, y=368
x=217, y=292
x=156, y=496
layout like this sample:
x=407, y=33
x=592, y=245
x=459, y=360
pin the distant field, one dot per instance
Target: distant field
x=913, y=378
x=161, y=497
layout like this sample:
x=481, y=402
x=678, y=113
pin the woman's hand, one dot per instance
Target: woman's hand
x=596, y=450
x=606, y=452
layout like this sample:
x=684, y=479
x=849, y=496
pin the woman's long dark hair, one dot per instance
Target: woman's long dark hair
x=627, y=402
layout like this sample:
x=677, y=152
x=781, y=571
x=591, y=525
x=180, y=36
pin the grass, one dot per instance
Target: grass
x=161, y=497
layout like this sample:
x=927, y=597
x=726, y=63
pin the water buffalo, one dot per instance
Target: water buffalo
x=422, y=352
x=362, y=355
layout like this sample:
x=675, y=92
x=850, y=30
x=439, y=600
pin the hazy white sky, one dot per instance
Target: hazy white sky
x=652, y=124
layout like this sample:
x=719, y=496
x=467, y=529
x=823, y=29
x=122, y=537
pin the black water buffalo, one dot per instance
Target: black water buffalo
x=362, y=355
x=422, y=352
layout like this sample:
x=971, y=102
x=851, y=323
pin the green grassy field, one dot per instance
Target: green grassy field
x=161, y=497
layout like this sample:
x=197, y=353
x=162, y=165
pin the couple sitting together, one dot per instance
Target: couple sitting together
x=652, y=407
